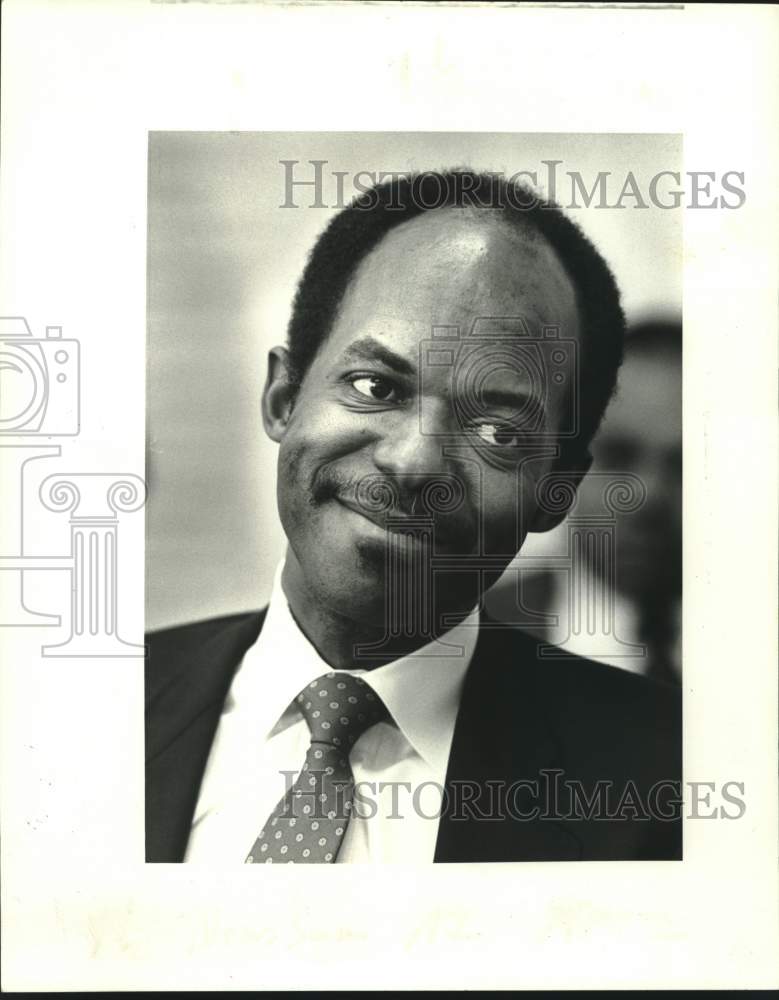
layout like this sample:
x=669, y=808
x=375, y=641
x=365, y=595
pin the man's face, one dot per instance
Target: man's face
x=374, y=421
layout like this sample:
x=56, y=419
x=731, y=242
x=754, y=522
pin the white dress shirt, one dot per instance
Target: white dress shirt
x=261, y=735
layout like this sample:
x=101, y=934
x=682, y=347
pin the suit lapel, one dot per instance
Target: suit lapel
x=189, y=672
x=504, y=734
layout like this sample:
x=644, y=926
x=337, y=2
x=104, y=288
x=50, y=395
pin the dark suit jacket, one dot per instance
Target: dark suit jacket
x=551, y=760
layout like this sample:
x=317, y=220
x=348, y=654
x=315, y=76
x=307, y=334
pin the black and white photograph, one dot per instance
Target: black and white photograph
x=468, y=367
x=388, y=456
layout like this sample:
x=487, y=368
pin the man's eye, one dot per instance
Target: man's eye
x=499, y=435
x=375, y=387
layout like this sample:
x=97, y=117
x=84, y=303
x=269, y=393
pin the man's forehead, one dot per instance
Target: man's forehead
x=452, y=268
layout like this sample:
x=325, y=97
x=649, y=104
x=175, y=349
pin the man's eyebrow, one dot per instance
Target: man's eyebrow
x=370, y=349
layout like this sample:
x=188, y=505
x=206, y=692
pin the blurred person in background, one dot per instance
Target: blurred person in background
x=642, y=434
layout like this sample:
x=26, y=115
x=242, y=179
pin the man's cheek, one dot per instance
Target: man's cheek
x=499, y=508
x=290, y=463
x=293, y=489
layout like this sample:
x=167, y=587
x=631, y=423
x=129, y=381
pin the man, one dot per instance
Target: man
x=641, y=436
x=453, y=344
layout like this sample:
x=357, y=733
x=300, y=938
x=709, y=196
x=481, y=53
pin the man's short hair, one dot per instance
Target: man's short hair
x=360, y=227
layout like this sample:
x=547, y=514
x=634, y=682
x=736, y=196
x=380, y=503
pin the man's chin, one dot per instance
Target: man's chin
x=362, y=571
x=396, y=601
x=362, y=599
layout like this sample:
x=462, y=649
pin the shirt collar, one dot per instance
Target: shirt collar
x=421, y=690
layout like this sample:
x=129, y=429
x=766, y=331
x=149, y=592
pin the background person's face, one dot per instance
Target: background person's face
x=642, y=435
x=370, y=406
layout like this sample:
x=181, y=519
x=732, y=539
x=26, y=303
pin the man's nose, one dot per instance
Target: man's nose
x=410, y=452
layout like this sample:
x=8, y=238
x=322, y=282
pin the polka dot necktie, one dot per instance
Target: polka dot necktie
x=309, y=823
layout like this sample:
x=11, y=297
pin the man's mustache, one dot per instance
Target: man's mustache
x=441, y=497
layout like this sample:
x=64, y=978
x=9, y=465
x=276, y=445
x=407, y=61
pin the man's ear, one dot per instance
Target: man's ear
x=278, y=396
x=575, y=470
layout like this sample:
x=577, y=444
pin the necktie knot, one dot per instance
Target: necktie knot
x=339, y=708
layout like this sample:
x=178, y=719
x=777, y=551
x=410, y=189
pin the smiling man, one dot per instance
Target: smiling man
x=452, y=347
